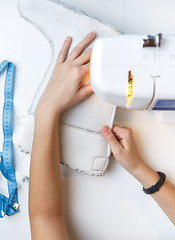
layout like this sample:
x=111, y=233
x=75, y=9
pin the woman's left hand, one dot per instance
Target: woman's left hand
x=65, y=88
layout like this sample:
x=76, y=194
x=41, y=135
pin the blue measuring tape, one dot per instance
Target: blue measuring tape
x=8, y=205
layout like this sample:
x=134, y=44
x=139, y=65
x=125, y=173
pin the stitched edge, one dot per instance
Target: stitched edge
x=81, y=128
x=78, y=10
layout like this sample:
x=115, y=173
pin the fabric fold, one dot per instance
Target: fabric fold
x=82, y=146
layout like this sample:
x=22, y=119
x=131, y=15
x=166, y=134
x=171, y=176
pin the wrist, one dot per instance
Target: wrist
x=45, y=109
x=46, y=118
x=146, y=175
x=46, y=115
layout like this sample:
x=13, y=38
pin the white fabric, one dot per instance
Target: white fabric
x=82, y=146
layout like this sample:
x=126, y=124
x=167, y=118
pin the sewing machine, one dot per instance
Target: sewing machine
x=135, y=71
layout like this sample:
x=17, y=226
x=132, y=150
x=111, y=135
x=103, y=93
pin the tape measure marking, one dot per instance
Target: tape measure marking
x=8, y=206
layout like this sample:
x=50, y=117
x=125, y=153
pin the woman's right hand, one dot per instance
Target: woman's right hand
x=123, y=147
x=125, y=151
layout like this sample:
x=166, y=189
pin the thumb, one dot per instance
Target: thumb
x=109, y=136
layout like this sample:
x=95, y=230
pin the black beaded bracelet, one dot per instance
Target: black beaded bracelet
x=156, y=187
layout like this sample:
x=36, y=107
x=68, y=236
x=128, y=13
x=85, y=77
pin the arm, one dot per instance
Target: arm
x=64, y=90
x=125, y=151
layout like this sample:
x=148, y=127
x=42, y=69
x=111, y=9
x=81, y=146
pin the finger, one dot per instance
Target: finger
x=64, y=50
x=85, y=74
x=111, y=139
x=123, y=134
x=81, y=71
x=84, y=57
x=85, y=80
x=84, y=92
x=122, y=131
x=76, y=52
x=85, y=69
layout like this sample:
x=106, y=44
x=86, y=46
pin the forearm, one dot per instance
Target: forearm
x=45, y=193
x=64, y=90
x=165, y=196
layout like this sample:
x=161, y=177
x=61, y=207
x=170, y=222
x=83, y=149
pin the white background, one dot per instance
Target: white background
x=100, y=208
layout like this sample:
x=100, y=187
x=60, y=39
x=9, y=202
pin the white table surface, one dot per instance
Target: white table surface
x=100, y=208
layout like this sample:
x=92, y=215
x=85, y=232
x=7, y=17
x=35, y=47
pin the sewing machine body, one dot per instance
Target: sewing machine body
x=135, y=71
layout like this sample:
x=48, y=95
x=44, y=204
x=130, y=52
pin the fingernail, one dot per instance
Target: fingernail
x=68, y=38
x=91, y=34
x=105, y=130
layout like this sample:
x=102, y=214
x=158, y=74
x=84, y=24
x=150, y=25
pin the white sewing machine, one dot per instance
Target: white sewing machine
x=135, y=71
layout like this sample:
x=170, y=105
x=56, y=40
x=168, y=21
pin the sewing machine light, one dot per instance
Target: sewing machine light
x=130, y=89
x=85, y=80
